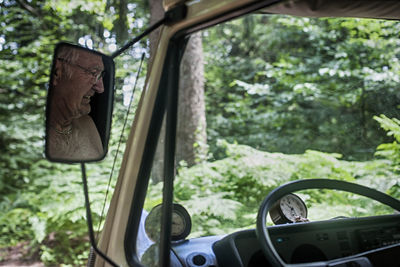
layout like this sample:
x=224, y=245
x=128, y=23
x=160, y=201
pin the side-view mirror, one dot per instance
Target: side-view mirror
x=79, y=104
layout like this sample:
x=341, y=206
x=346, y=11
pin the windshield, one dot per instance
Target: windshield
x=287, y=98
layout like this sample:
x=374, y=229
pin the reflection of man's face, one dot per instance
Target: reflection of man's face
x=85, y=80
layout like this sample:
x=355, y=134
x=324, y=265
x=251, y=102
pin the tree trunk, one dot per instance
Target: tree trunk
x=156, y=13
x=191, y=129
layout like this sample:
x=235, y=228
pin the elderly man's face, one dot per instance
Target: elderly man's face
x=77, y=89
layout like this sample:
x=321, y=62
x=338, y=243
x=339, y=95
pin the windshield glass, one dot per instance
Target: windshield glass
x=289, y=98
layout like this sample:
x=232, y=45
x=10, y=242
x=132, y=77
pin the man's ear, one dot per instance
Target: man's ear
x=57, y=73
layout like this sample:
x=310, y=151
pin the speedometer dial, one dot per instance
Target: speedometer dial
x=181, y=223
x=289, y=209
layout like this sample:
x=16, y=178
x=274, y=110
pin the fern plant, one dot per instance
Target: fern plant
x=390, y=150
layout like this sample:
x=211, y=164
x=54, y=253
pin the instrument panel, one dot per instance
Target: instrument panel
x=316, y=241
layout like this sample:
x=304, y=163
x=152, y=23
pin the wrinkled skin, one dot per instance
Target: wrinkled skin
x=71, y=95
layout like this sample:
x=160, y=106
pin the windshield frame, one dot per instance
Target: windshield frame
x=168, y=82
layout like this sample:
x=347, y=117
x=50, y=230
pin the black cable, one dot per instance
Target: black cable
x=138, y=38
x=89, y=218
x=175, y=14
x=119, y=143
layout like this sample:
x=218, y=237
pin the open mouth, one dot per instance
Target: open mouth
x=86, y=99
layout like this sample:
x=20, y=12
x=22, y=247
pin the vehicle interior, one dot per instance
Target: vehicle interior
x=282, y=150
x=252, y=201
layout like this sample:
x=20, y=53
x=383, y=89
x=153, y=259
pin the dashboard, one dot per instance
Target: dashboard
x=376, y=237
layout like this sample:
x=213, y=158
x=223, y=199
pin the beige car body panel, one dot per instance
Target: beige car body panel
x=112, y=238
x=199, y=11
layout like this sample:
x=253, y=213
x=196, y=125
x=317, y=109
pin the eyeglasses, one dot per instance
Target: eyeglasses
x=95, y=74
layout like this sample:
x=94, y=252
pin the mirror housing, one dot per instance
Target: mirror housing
x=79, y=105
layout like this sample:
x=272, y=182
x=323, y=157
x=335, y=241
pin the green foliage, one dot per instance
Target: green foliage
x=50, y=212
x=391, y=126
x=271, y=86
x=308, y=83
x=390, y=150
x=40, y=201
x=224, y=195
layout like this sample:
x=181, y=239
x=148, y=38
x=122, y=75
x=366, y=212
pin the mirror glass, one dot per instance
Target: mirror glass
x=79, y=104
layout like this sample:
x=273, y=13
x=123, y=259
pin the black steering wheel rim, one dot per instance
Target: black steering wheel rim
x=262, y=231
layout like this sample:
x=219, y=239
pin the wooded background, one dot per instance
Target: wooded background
x=326, y=90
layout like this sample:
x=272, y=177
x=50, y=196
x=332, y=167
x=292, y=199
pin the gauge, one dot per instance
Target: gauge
x=181, y=223
x=289, y=209
x=152, y=224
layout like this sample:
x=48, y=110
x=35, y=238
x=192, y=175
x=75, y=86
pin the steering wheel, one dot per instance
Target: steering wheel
x=262, y=232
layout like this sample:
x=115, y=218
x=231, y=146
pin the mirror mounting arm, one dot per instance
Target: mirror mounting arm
x=171, y=16
x=89, y=220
